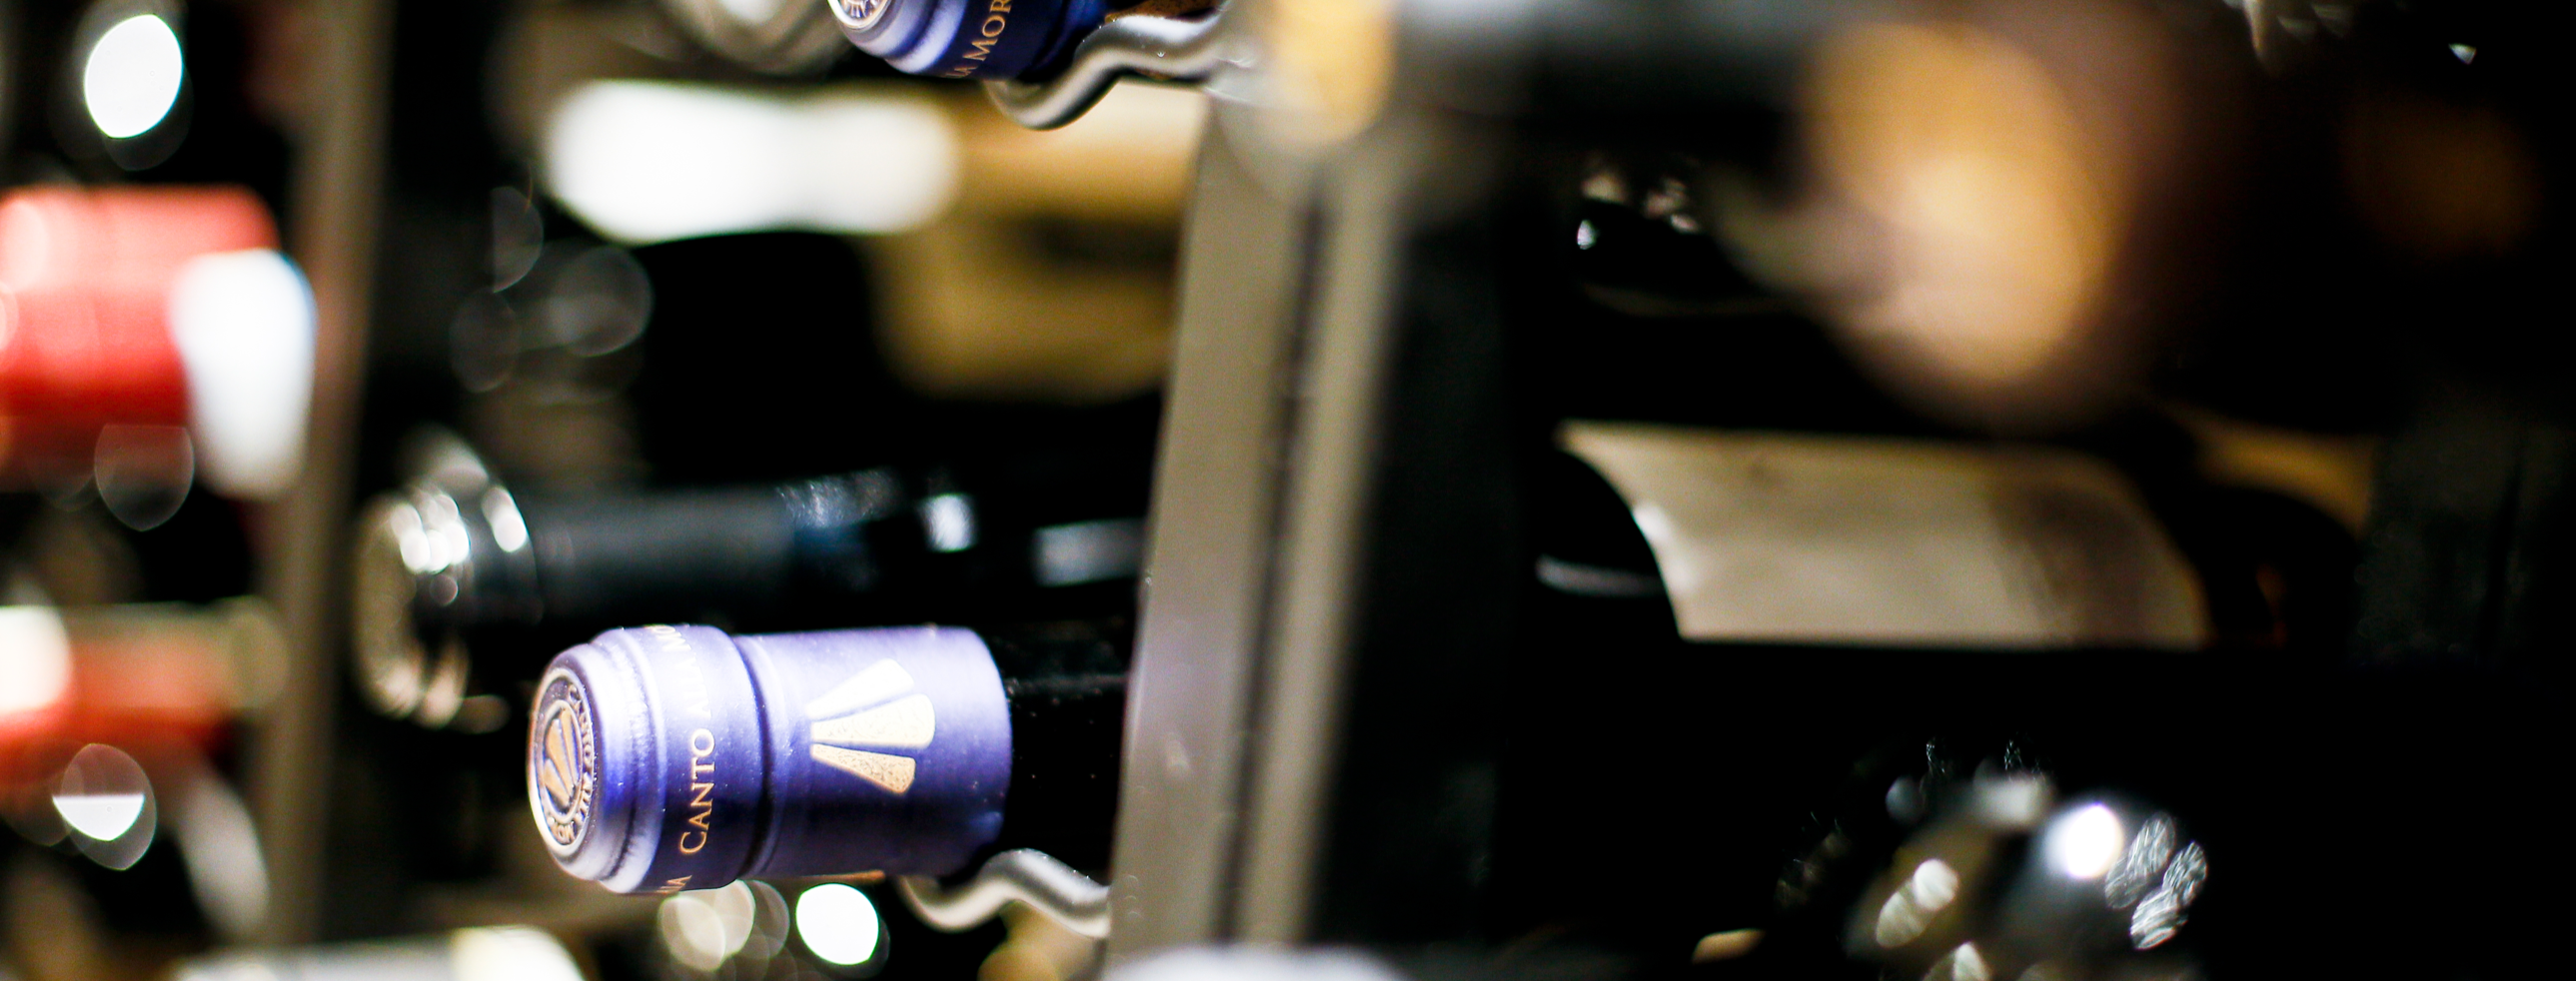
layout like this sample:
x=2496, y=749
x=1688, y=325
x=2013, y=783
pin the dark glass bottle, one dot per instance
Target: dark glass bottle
x=1722, y=748
x=455, y=563
x=664, y=758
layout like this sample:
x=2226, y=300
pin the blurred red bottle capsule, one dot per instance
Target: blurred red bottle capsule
x=143, y=675
x=95, y=323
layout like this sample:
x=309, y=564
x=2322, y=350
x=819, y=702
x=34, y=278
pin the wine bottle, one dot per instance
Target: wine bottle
x=664, y=758
x=456, y=554
x=150, y=333
x=139, y=675
x=990, y=39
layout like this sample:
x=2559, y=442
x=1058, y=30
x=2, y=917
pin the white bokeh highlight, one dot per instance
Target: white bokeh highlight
x=838, y=924
x=243, y=323
x=2084, y=843
x=655, y=161
x=133, y=76
x=35, y=659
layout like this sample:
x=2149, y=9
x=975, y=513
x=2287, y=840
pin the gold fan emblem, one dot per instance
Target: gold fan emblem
x=872, y=712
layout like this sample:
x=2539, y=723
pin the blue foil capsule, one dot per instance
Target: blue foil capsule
x=967, y=38
x=674, y=757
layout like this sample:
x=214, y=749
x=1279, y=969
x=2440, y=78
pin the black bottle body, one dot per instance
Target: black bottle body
x=462, y=586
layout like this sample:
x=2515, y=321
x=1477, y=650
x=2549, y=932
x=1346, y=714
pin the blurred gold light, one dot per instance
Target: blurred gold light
x=977, y=306
x=514, y=953
x=2441, y=182
x=1331, y=63
x=1725, y=945
x=1998, y=218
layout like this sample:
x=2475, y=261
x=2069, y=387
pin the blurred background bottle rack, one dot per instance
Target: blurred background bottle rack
x=1622, y=488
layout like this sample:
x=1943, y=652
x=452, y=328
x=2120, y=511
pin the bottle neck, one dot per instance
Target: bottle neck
x=911, y=538
x=1067, y=684
x=1068, y=652
x=1065, y=743
x=664, y=556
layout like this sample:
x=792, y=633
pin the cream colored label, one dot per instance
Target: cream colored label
x=1797, y=538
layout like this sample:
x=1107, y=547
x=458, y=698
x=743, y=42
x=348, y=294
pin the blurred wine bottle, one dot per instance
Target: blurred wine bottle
x=455, y=568
x=135, y=675
x=1752, y=618
x=113, y=721
x=153, y=337
x=667, y=758
x=986, y=38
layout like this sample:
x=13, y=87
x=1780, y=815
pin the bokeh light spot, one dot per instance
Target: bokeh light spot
x=2084, y=843
x=133, y=75
x=838, y=924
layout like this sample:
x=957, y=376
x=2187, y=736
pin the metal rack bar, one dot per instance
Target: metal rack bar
x=338, y=183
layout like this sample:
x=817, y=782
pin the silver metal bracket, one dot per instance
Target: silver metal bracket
x=1160, y=47
x=1023, y=875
